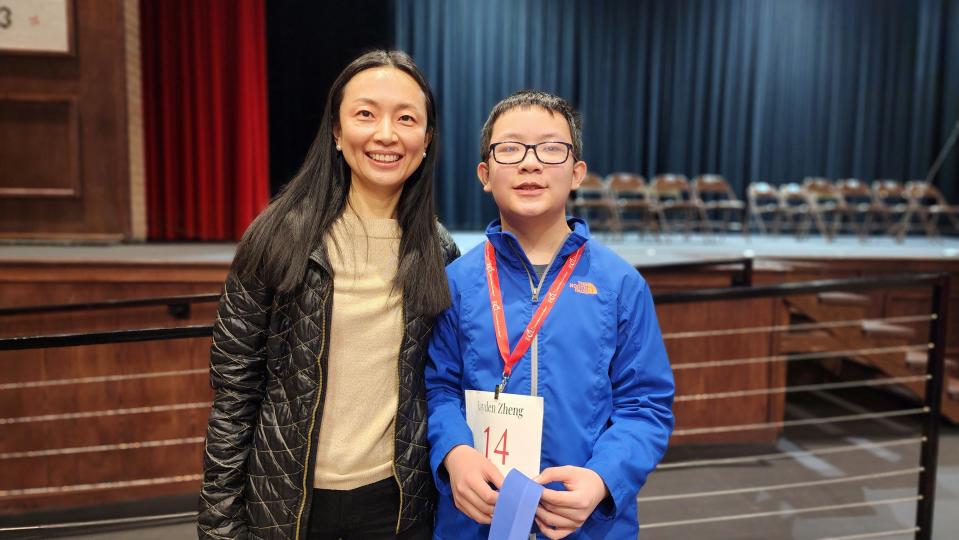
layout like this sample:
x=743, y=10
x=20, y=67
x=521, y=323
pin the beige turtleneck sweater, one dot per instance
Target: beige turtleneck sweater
x=355, y=445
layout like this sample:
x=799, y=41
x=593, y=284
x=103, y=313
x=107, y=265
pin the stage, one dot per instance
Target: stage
x=640, y=251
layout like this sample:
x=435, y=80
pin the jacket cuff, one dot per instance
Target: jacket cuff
x=438, y=453
x=609, y=508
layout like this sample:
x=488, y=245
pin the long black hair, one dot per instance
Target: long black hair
x=276, y=247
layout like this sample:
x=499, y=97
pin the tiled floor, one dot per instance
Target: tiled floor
x=785, y=519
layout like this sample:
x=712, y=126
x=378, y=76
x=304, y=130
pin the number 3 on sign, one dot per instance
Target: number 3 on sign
x=6, y=17
x=496, y=449
x=508, y=430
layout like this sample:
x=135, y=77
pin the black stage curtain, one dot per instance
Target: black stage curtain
x=308, y=44
x=750, y=89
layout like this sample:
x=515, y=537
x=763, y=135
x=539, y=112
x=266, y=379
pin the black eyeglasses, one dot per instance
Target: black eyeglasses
x=548, y=153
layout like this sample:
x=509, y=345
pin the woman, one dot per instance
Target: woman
x=318, y=426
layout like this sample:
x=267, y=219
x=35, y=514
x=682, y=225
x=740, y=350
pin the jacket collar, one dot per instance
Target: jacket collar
x=318, y=255
x=508, y=247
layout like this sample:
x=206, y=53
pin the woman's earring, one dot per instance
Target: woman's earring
x=339, y=148
x=424, y=154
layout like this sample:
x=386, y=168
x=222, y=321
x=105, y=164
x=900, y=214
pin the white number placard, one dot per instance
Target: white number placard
x=35, y=26
x=508, y=430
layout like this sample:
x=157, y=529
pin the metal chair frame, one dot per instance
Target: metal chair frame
x=826, y=203
x=592, y=196
x=717, y=197
x=927, y=201
x=763, y=199
x=631, y=196
x=670, y=193
x=794, y=206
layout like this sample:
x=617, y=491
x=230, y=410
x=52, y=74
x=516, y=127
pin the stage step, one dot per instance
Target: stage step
x=838, y=298
x=868, y=334
x=879, y=329
x=916, y=360
x=806, y=341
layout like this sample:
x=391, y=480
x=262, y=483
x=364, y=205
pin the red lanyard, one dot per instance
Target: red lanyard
x=499, y=317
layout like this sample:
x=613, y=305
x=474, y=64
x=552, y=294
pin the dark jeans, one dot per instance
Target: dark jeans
x=364, y=513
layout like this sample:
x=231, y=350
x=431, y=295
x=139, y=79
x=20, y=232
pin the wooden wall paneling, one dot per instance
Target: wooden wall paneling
x=71, y=173
x=724, y=411
x=39, y=147
x=776, y=371
x=125, y=465
x=28, y=287
x=19, y=436
x=90, y=272
x=105, y=320
x=660, y=282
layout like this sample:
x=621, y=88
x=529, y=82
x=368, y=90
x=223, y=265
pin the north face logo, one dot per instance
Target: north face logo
x=584, y=287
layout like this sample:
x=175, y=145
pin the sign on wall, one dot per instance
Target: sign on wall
x=36, y=26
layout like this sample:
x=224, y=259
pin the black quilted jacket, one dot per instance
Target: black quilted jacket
x=268, y=366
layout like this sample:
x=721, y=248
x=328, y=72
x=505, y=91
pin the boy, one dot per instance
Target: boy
x=589, y=350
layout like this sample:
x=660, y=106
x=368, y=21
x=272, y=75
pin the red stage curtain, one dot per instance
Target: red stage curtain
x=205, y=116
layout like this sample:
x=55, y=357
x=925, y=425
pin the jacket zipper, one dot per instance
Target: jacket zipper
x=534, y=290
x=534, y=353
x=309, y=443
x=399, y=512
x=316, y=406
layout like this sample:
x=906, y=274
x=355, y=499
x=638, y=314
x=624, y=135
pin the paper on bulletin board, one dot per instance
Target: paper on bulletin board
x=35, y=26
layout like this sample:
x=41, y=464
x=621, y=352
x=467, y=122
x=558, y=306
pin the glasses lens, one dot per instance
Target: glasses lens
x=509, y=152
x=552, y=152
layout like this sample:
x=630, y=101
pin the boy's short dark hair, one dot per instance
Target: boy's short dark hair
x=524, y=99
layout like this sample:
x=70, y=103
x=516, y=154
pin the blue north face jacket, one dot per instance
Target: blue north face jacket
x=598, y=362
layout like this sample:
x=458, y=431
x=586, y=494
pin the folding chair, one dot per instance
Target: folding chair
x=794, y=207
x=717, y=198
x=894, y=207
x=860, y=209
x=825, y=205
x=628, y=192
x=763, y=201
x=593, y=203
x=928, y=200
x=670, y=194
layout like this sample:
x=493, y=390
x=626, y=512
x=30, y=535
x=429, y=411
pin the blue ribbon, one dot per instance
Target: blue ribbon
x=515, y=508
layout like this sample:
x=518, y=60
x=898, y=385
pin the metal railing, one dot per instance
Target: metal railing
x=938, y=284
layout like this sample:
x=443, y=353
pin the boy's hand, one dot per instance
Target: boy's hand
x=560, y=513
x=470, y=474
